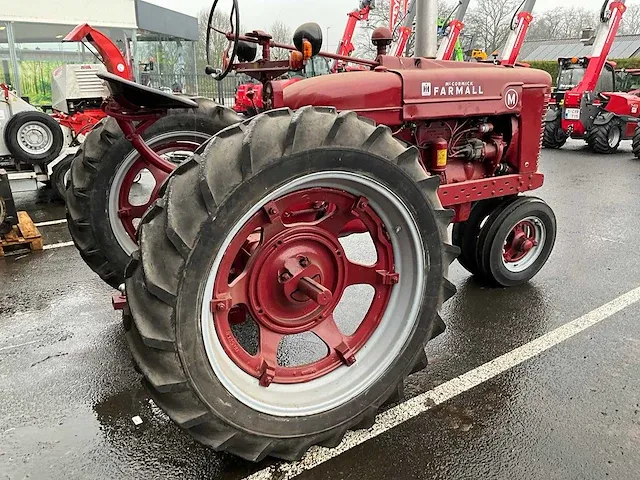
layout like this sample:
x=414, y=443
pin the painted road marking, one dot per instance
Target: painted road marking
x=58, y=245
x=448, y=390
x=19, y=345
x=51, y=222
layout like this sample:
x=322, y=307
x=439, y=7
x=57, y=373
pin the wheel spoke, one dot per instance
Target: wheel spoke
x=239, y=290
x=268, y=355
x=358, y=274
x=331, y=335
x=335, y=222
x=133, y=211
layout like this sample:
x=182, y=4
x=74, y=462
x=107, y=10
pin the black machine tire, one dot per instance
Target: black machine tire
x=164, y=279
x=465, y=234
x=495, y=232
x=635, y=144
x=59, y=177
x=553, y=136
x=605, y=138
x=92, y=173
x=48, y=124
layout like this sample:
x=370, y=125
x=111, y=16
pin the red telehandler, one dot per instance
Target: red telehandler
x=585, y=104
x=248, y=232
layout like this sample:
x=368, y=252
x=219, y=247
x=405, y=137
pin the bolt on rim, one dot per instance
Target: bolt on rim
x=123, y=214
x=35, y=138
x=524, y=244
x=295, y=273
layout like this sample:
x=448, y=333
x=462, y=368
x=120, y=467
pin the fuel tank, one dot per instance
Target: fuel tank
x=408, y=89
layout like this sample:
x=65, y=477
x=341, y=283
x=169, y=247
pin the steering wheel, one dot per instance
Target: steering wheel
x=227, y=60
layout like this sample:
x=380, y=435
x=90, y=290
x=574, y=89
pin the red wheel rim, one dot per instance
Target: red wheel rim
x=520, y=241
x=128, y=212
x=287, y=268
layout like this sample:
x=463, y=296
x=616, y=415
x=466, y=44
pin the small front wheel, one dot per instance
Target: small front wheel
x=516, y=241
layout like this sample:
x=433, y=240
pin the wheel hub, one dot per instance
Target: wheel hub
x=520, y=242
x=35, y=138
x=300, y=274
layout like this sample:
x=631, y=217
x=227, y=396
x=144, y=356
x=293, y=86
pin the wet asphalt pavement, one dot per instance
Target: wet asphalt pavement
x=69, y=392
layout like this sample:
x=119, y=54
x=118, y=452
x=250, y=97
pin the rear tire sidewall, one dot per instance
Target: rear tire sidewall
x=501, y=224
x=58, y=175
x=20, y=119
x=212, y=235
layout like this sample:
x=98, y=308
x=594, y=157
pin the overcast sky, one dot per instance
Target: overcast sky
x=259, y=14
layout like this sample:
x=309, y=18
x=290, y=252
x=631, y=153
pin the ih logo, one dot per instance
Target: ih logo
x=426, y=89
x=511, y=99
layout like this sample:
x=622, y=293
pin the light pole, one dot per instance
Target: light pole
x=328, y=38
x=426, y=28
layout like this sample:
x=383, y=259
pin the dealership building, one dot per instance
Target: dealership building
x=161, y=41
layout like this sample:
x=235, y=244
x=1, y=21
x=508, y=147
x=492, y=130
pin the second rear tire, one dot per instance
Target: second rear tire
x=96, y=199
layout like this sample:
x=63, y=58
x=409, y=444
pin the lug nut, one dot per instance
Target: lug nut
x=272, y=211
x=304, y=262
x=220, y=306
x=285, y=276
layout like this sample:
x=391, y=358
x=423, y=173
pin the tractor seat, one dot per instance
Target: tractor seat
x=141, y=97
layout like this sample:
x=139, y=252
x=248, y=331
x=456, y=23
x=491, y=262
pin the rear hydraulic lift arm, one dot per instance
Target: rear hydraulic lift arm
x=511, y=50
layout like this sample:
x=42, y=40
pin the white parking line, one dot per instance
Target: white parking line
x=51, y=222
x=448, y=390
x=58, y=245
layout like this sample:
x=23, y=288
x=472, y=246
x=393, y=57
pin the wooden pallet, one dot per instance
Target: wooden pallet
x=24, y=235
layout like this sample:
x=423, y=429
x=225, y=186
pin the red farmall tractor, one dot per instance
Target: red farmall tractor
x=585, y=104
x=251, y=233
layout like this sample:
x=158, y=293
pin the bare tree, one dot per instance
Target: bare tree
x=489, y=22
x=631, y=20
x=218, y=42
x=281, y=33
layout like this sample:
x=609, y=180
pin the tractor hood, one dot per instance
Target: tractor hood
x=402, y=90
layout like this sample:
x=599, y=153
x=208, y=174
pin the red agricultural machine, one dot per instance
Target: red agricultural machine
x=250, y=233
x=585, y=103
x=248, y=97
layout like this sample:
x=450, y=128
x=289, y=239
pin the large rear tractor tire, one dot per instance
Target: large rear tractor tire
x=605, y=138
x=110, y=187
x=248, y=234
x=635, y=145
x=33, y=137
x=554, y=136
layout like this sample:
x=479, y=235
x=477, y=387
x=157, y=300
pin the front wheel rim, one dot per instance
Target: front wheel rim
x=524, y=244
x=125, y=216
x=354, y=362
x=35, y=138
